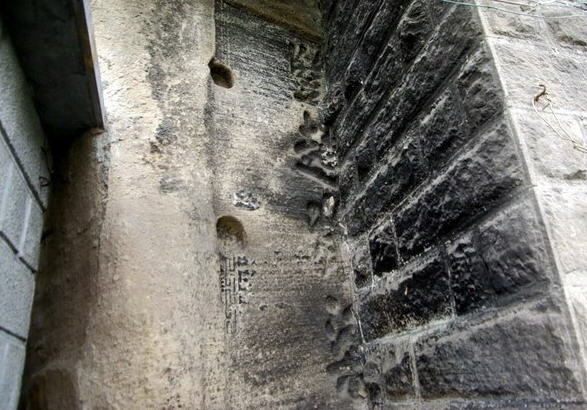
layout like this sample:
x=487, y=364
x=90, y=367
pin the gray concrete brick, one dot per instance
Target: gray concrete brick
x=19, y=118
x=16, y=292
x=13, y=205
x=30, y=240
x=12, y=353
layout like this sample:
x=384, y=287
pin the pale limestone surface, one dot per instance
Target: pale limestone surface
x=529, y=52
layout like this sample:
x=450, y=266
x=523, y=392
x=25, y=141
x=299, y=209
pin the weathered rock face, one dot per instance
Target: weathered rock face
x=274, y=220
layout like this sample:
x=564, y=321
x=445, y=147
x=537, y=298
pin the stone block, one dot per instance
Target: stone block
x=401, y=171
x=513, y=25
x=388, y=371
x=383, y=24
x=508, y=256
x=361, y=260
x=30, y=242
x=352, y=21
x=383, y=249
x=12, y=353
x=350, y=127
x=19, y=118
x=552, y=159
x=565, y=212
x=443, y=130
x=523, y=66
x=6, y=163
x=474, y=183
x=16, y=292
x=526, y=356
x=347, y=178
x=569, y=33
x=444, y=50
x=355, y=218
x=513, y=248
x=413, y=29
x=13, y=204
x=480, y=89
x=420, y=296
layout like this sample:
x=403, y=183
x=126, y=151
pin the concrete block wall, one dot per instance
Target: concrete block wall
x=24, y=184
x=459, y=292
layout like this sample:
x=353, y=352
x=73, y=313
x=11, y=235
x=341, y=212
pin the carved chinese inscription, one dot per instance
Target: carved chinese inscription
x=236, y=277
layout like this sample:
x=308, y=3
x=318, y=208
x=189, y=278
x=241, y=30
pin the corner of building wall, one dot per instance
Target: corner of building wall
x=572, y=326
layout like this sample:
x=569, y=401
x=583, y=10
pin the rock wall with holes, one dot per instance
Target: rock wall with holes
x=192, y=260
x=281, y=270
x=452, y=206
x=24, y=181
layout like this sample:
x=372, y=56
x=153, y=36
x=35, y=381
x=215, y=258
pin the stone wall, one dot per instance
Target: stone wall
x=459, y=292
x=24, y=182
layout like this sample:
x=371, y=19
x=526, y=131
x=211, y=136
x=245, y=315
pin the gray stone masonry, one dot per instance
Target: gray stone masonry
x=463, y=210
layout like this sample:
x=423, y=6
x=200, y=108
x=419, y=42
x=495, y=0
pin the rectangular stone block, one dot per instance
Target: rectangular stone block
x=443, y=130
x=565, y=212
x=506, y=257
x=475, y=182
x=383, y=249
x=350, y=126
x=480, y=89
x=512, y=25
x=552, y=159
x=401, y=171
x=13, y=203
x=30, y=242
x=383, y=24
x=523, y=66
x=347, y=178
x=568, y=33
x=361, y=260
x=419, y=297
x=352, y=22
x=19, y=118
x=12, y=354
x=388, y=371
x=527, y=356
x=16, y=292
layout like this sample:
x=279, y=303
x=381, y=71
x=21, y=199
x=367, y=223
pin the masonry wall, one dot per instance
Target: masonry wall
x=24, y=184
x=458, y=290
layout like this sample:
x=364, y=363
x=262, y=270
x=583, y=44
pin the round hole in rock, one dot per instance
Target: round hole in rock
x=221, y=74
x=230, y=233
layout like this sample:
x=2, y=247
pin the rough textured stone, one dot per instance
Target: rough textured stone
x=443, y=130
x=11, y=364
x=561, y=73
x=16, y=292
x=475, y=181
x=19, y=119
x=523, y=357
x=507, y=257
x=551, y=157
x=565, y=212
x=441, y=54
x=30, y=240
x=13, y=204
x=423, y=295
x=480, y=90
x=571, y=35
x=383, y=249
x=388, y=372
